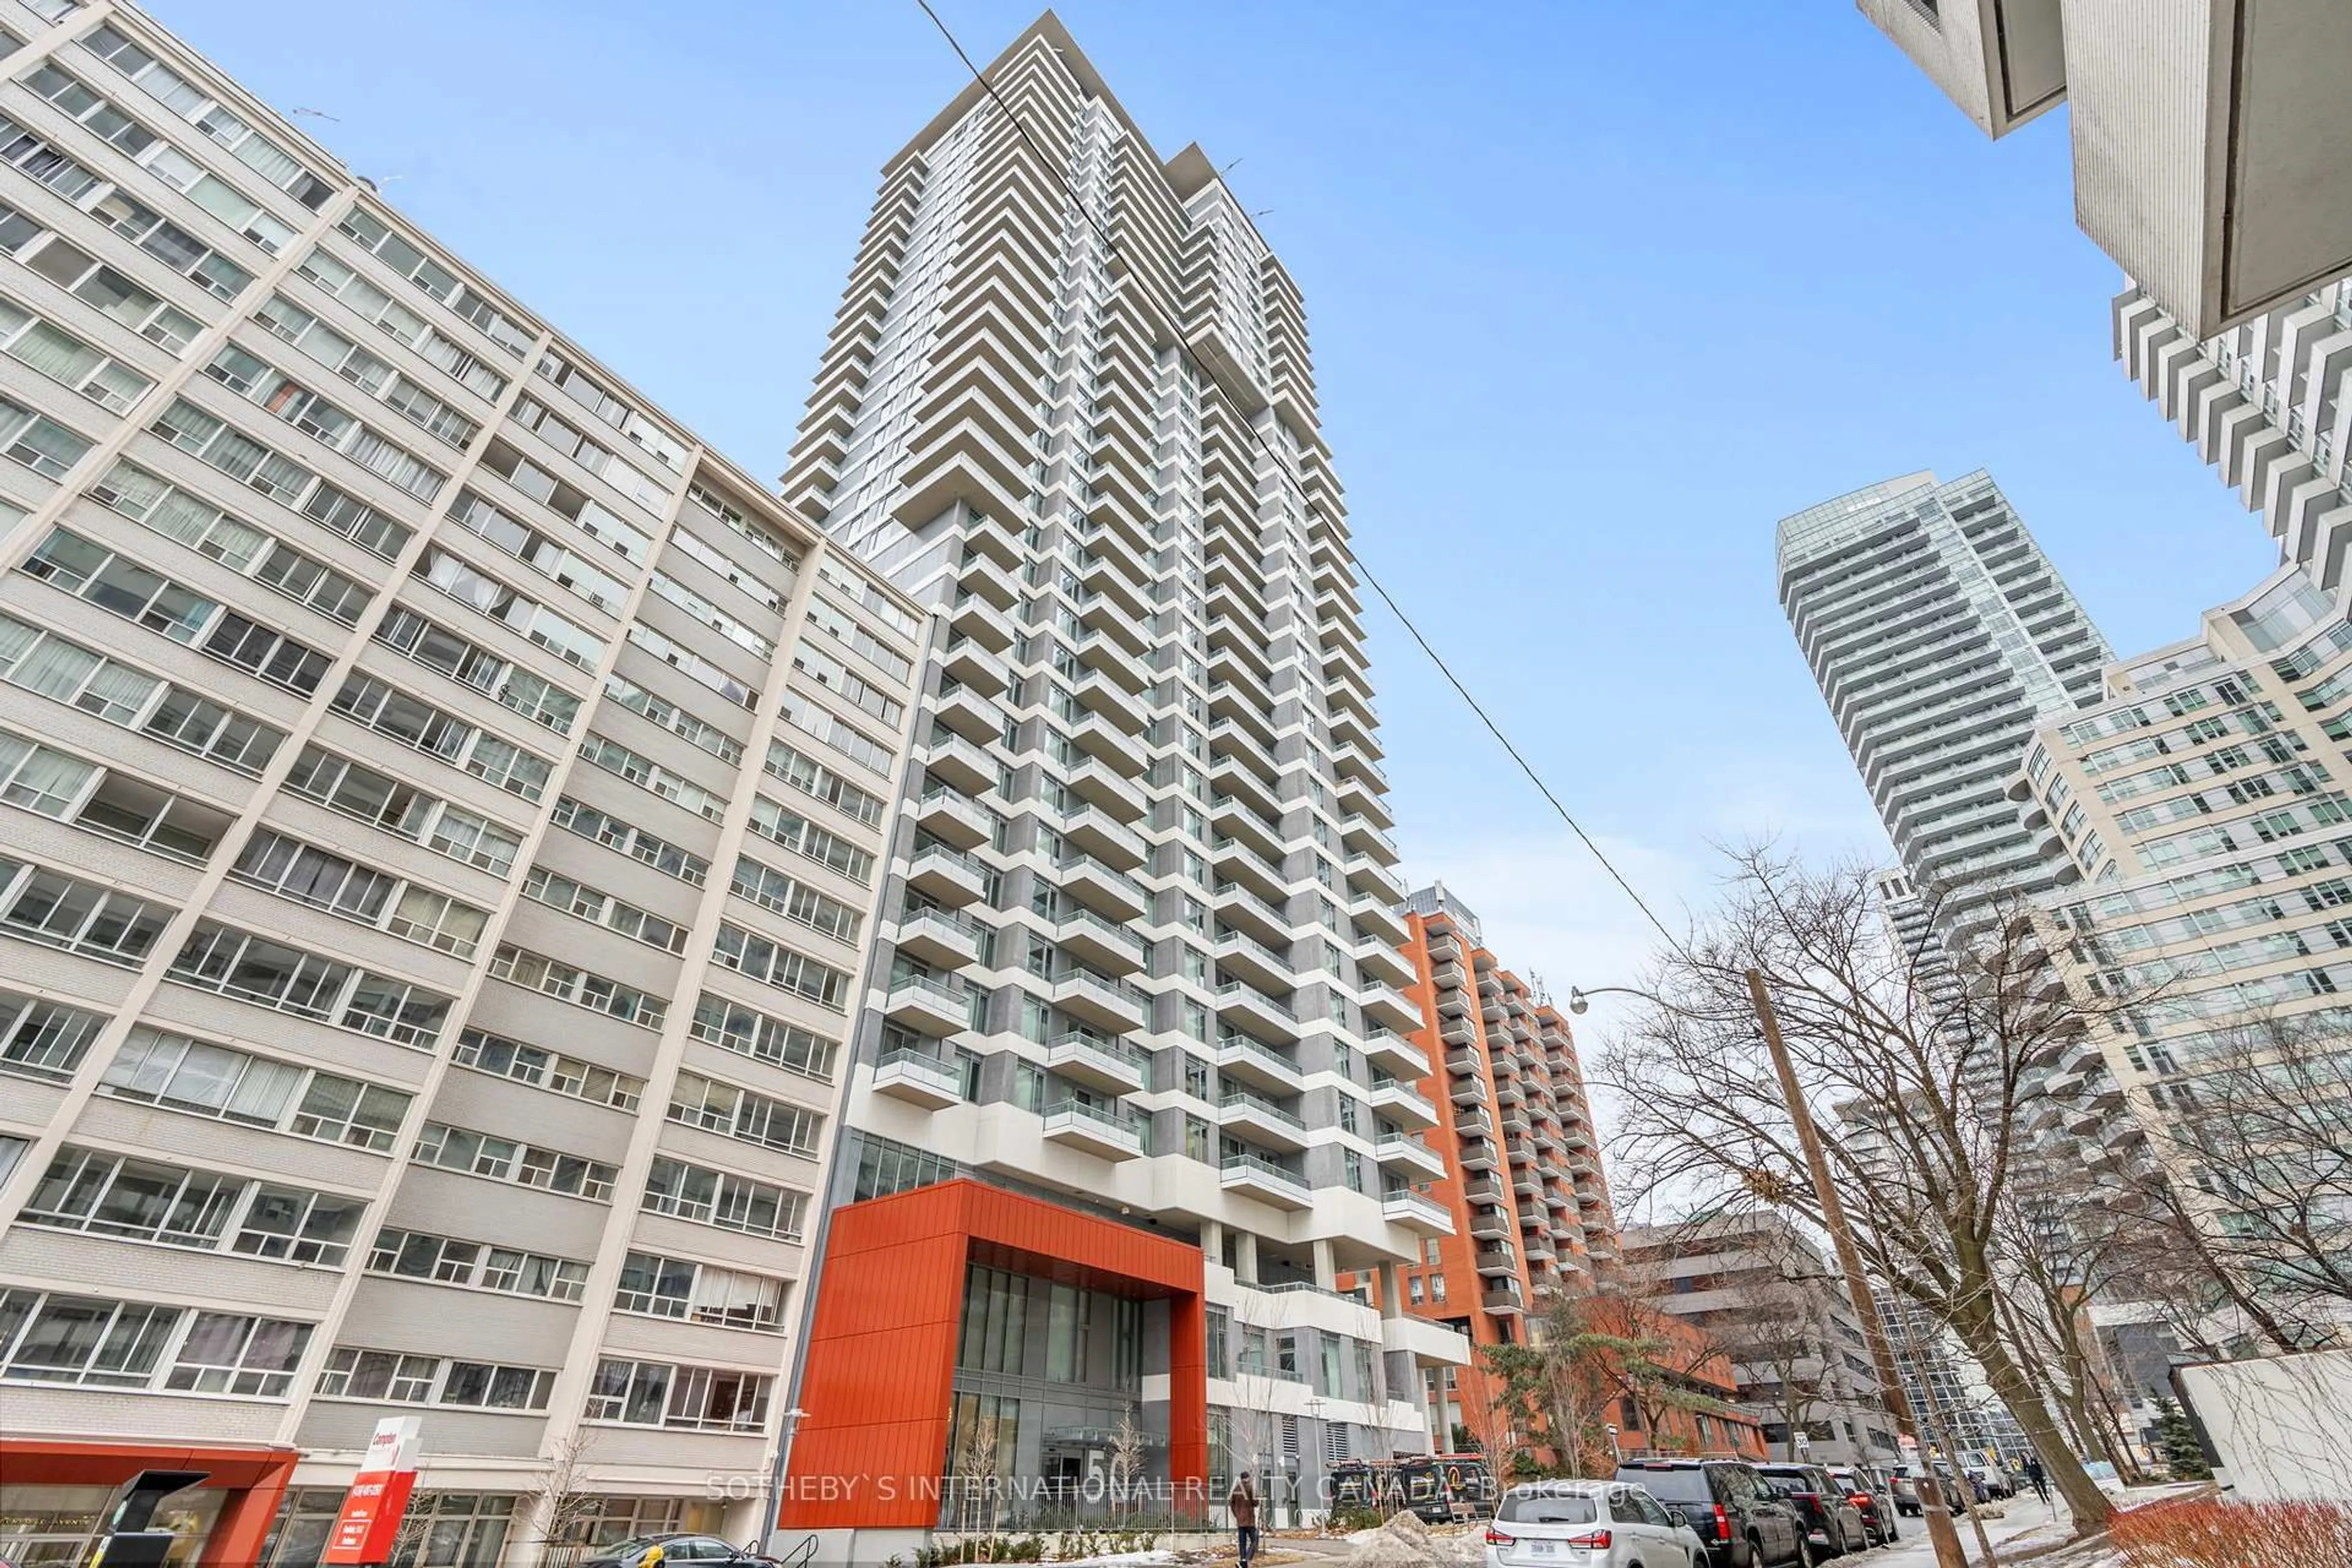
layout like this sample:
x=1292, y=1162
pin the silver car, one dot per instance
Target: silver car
x=1586, y=1524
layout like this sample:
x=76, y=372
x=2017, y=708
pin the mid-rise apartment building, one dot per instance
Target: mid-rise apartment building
x=1771, y=1300
x=1134, y=1081
x=1941, y=637
x=2269, y=404
x=2205, y=798
x=2207, y=135
x=1515, y=1156
x=443, y=817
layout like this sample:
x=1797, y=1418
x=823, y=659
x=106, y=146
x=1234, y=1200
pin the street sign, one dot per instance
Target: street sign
x=370, y=1522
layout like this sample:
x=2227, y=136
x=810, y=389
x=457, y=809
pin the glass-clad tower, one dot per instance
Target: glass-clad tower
x=1942, y=637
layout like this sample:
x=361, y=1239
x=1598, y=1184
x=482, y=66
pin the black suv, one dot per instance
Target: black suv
x=1823, y=1503
x=1744, y=1520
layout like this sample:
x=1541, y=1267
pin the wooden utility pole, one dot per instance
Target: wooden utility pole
x=1948, y=1552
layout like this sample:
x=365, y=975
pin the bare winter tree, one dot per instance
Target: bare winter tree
x=1919, y=1081
x=2064, y=1242
x=1770, y=1335
x=562, y=1502
x=2265, y=1123
x=1126, y=1462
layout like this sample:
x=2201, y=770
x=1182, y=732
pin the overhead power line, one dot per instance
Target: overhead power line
x=1175, y=316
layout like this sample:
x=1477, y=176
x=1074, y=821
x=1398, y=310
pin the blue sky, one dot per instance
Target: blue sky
x=1597, y=292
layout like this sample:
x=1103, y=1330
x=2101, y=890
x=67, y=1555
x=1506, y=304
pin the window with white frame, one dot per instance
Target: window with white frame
x=393, y=1378
x=682, y=1398
x=448, y=1260
x=86, y=1341
x=698, y=1293
x=184, y=1074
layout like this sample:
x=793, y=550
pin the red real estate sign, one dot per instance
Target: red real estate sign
x=370, y=1521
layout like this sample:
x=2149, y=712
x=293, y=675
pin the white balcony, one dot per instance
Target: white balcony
x=1367, y=875
x=1103, y=943
x=1403, y=1104
x=1241, y=1060
x=975, y=618
x=1231, y=815
x=1111, y=1004
x=1378, y=918
x=1109, y=1064
x=1242, y=771
x=1385, y=963
x=1106, y=1134
x=1410, y=1154
x=1107, y=788
x=948, y=875
x=1105, y=613
x=1099, y=834
x=1237, y=906
x=1104, y=888
x=1237, y=861
x=969, y=713
x=1103, y=576
x=1250, y=960
x=928, y=1007
x=1393, y=1054
x=1430, y=1344
x=977, y=667
x=1265, y=1181
x=1386, y=1005
x=1103, y=695
x=918, y=1079
x=940, y=937
x=954, y=818
x=1364, y=836
x=1253, y=1010
x=1422, y=1215
x=1103, y=653
x=1098, y=737
x=986, y=579
x=958, y=763
x=1265, y=1121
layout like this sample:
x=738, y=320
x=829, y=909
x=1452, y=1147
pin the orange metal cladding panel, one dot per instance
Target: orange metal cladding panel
x=881, y=1354
x=882, y=1347
x=1188, y=1412
x=254, y=1480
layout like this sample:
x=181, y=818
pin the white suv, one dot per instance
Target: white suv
x=1586, y=1524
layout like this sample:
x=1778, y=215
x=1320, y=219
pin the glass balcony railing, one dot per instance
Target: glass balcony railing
x=1260, y=1105
x=1264, y=1170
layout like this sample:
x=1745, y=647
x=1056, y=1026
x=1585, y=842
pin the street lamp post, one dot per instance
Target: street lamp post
x=772, y=1498
x=1946, y=1539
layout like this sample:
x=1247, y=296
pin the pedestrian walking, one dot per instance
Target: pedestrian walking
x=1242, y=1500
x=2037, y=1478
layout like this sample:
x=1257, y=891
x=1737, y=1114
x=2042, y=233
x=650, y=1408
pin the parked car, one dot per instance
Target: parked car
x=1956, y=1497
x=1738, y=1514
x=1587, y=1524
x=676, y=1548
x=1828, y=1513
x=1867, y=1489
